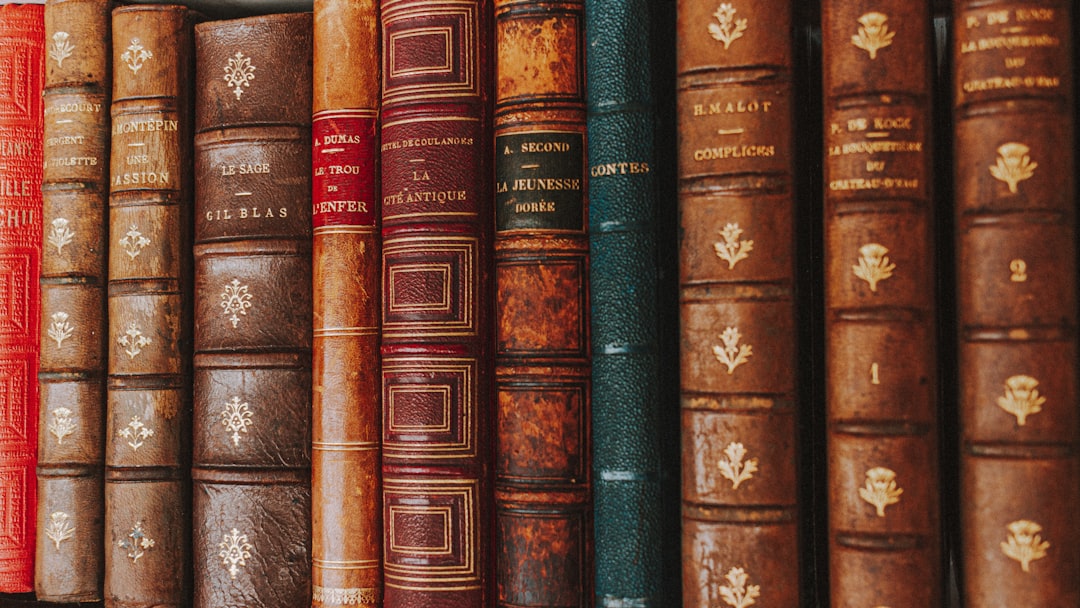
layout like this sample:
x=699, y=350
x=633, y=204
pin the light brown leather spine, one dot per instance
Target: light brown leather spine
x=1014, y=179
x=737, y=302
x=881, y=374
x=69, y=563
x=346, y=497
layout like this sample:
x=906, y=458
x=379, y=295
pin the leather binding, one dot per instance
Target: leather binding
x=738, y=331
x=147, y=489
x=1014, y=170
x=543, y=469
x=437, y=365
x=623, y=305
x=345, y=458
x=22, y=44
x=253, y=312
x=881, y=370
x=69, y=563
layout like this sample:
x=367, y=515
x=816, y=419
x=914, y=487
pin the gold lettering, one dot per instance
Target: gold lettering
x=997, y=17
x=874, y=379
x=1018, y=268
x=744, y=151
x=1013, y=63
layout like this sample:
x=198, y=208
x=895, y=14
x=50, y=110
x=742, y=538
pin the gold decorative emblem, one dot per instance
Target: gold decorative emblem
x=236, y=417
x=135, y=55
x=881, y=489
x=732, y=250
x=874, y=33
x=59, y=528
x=61, y=48
x=733, y=469
x=60, y=235
x=1021, y=398
x=135, y=432
x=731, y=353
x=874, y=265
x=60, y=329
x=136, y=542
x=1018, y=271
x=350, y=596
x=239, y=73
x=134, y=242
x=1024, y=544
x=62, y=424
x=1013, y=165
x=729, y=28
x=235, y=300
x=133, y=340
x=736, y=593
x=234, y=550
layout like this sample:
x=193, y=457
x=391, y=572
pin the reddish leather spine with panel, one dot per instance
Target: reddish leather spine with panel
x=149, y=339
x=69, y=564
x=881, y=373
x=1014, y=170
x=345, y=458
x=737, y=303
x=252, y=383
x=22, y=52
x=543, y=466
x=437, y=367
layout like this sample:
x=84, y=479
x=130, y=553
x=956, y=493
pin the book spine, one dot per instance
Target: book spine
x=623, y=305
x=1014, y=171
x=22, y=51
x=437, y=368
x=543, y=469
x=69, y=562
x=346, y=551
x=881, y=371
x=150, y=289
x=253, y=310
x=739, y=340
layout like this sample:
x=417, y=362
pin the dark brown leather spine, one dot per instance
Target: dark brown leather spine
x=543, y=466
x=147, y=533
x=70, y=556
x=881, y=374
x=346, y=496
x=737, y=308
x=253, y=311
x=1014, y=173
x=437, y=367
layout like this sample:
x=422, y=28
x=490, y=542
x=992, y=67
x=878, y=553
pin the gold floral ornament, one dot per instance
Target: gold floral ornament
x=235, y=300
x=729, y=29
x=135, y=56
x=732, y=354
x=239, y=73
x=874, y=265
x=133, y=340
x=736, y=593
x=881, y=489
x=60, y=329
x=62, y=424
x=733, y=468
x=59, y=528
x=234, y=551
x=134, y=242
x=1024, y=544
x=61, y=48
x=1013, y=165
x=136, y=433
x=236, y=417
x=60, y=234
x=136, y=542
x=1021, y=398
x=732, y=250
x=874, y=34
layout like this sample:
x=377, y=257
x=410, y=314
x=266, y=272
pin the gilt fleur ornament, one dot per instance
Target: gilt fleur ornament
x=133, y=340
x=728, y=28
x=136, y=542
x=61, y=48
x=136, y=433
x=732, y=354
x=733, y=468
x=1013, y=165
x=732, y=250
x=874, y=33
x=881, y=489
x=874, y=265
x=134, y=242
x=239, y=73
x=60, y=234
x=136, y=56
x=60, y=329
x=736, y=592
x=236, y=417
x=1021, y=398
x=235, y=549
x=61, y=424
x=59, y=528
x=235, y=300
x=1024, y=545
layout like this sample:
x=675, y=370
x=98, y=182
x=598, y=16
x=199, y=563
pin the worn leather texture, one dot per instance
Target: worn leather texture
x=69, y=566
x=738, y=336
x=147, y=450
x=1015, y=199
x=253, y=309
x=436, y=313
x=22, y=36
x=346, y=496
x=543, y=471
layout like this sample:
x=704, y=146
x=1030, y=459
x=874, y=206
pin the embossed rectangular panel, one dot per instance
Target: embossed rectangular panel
x=429, y=406
x=436, y=537
x=430, y=50
x=547, y=438
x=530, y=325
x=430, y=285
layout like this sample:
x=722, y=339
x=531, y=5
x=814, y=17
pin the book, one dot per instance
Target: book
x=543, y=396
x=1014, y=162
x=22, y=55
x=880, y=353
x=627, y=511
x=737, y=191
x=147, y=434
x=437, y=368
x=346, y=494
x=70, y=555
x=251, y=471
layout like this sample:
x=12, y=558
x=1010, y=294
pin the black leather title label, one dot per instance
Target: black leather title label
x=539, y=181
